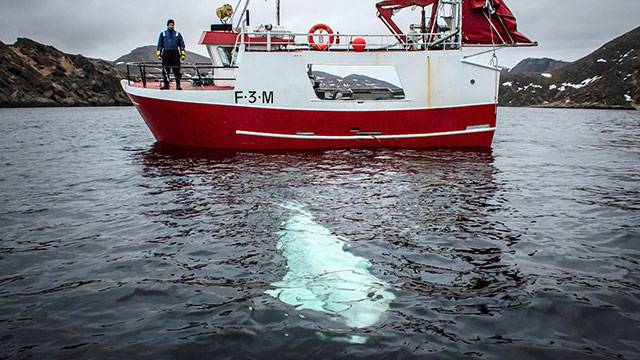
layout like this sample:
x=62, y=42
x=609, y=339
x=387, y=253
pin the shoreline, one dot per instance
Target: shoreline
x=595, y=107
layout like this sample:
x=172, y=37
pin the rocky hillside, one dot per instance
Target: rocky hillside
x=532, y=65
x=148, y=54
x=608, y=78
x=353, y=81
x=32, y=74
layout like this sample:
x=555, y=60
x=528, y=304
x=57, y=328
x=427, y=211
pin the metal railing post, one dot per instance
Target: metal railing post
x=268, y=41
x=199, y=76
x=143, y=75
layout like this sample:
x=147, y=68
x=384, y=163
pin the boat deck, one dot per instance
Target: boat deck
x=186, y=86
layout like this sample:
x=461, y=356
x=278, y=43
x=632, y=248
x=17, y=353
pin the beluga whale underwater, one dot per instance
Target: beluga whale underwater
x=322, y=276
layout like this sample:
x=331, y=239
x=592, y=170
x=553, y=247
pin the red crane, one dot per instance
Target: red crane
x=387, y=8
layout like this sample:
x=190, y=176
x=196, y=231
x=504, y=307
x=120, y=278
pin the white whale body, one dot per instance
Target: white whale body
x=323, y=277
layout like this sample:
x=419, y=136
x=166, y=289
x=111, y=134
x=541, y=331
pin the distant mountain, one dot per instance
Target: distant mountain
x=32, y=74
x=148, y=54
x=608, y=78
x=353, y=81
x=324, y=77
x=533, y=65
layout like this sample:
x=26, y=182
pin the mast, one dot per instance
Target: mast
x=278, y=12
x=242, y=14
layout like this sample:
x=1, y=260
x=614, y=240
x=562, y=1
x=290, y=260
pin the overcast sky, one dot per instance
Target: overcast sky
x=565, y=29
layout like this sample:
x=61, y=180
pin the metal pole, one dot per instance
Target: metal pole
x=278, y=12
x=244, y=12
x=459, y=23
x=423, y=24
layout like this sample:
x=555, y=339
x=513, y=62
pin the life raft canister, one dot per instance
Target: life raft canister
x=321, y=27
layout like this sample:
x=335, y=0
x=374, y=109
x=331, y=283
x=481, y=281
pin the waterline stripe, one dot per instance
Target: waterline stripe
x=470, y=130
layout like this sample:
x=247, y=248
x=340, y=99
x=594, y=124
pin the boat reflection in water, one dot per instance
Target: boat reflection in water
x=426, y=226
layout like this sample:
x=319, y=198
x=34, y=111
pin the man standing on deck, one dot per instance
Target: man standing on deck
x=171, y=50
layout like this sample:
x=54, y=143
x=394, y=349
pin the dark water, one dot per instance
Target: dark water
x=113, y=247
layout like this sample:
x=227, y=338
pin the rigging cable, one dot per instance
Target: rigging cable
x=494, y=57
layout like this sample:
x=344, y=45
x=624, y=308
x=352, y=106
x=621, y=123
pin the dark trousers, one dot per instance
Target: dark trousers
x=171, y=62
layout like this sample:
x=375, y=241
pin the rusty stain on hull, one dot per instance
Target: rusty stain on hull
x=429, y=94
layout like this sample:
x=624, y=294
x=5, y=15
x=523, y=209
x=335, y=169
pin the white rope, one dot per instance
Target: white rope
x=493, y=28
x=494, y=57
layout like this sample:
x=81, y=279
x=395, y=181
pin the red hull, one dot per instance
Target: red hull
x=215, y=126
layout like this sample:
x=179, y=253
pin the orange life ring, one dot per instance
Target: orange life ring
x=312, y=42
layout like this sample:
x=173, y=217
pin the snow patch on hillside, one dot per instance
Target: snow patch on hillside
x=621, y=59
x=534, y=86
x=584, y=83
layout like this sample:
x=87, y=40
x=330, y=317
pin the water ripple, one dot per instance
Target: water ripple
x=114, y=247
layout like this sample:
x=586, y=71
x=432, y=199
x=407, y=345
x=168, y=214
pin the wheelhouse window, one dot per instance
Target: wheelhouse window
x=226, y=55
x=345, y=83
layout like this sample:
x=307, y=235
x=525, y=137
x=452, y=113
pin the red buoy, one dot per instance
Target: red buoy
x=359, y=44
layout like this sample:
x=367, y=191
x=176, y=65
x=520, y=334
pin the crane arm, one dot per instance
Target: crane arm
x=387, y=8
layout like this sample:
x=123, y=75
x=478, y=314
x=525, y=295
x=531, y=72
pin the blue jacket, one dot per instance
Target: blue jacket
x=170, y=40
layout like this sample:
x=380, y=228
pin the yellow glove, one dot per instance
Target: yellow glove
x=159, y=55
x=183, y=55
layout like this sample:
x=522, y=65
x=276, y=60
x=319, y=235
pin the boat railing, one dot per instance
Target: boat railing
x=287, y=41
x=200, y=74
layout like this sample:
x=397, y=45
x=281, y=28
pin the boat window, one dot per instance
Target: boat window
x=344, y=83
x=226, y=55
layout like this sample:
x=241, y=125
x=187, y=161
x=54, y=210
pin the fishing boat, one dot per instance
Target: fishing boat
x=268, y=88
